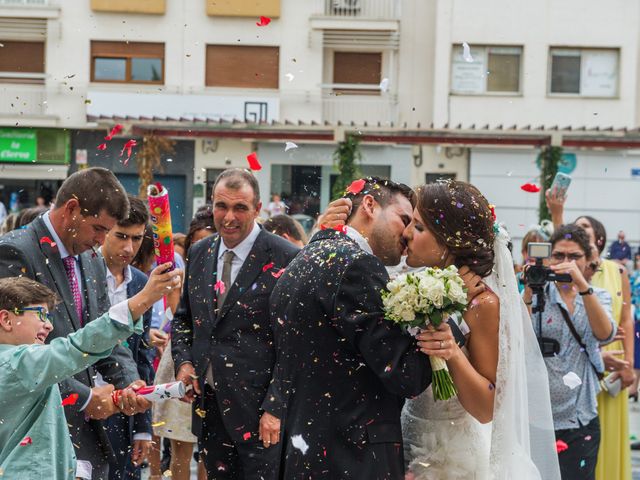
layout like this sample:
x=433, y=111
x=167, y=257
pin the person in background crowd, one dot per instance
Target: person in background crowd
x=620, y=251
x=575, y=413
x=41, y=201
x=3, y=213
x=288, y=228
x=129, y=435
x=178, y=243
x=28, y=215
x=635, y=300
x=276, y=206
x=9, y=223
x=56, y=248
x=173, y=419
x=614, y=457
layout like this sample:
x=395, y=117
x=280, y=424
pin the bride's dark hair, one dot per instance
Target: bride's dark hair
x=461, y=219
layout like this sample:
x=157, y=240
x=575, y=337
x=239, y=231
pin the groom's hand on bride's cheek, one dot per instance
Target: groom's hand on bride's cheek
x=336, y=214
x=472, y=281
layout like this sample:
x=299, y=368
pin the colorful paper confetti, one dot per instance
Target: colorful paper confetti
x=254, y=163
x=298, y=442
x=530, y=187
x=561, y=446
x=356, y=186
x=263, y=22
x=26, y=441
x=278, y=274
x=246, y=436
x=70, y=400
x=268, y=266
x=572, y=380
x=102, y=146
x=220, y=287
x=290, y=146
x=114, y=131
x=47, y=240
x=128, y=146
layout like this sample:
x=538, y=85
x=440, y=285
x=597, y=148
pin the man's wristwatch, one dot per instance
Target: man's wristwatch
x=588, y=291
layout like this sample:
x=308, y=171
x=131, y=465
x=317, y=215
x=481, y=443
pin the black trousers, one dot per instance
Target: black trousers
x=118, y=431
x=225, y=459
x=578, y=462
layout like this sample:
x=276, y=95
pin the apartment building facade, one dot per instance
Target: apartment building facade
x=395, y=72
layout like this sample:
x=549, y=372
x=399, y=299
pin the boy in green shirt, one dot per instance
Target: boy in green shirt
x=34, y=437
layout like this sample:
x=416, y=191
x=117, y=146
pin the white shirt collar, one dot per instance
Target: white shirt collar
x=64, y=253
x=355, y=235
x=127, y=274
x=244, y=247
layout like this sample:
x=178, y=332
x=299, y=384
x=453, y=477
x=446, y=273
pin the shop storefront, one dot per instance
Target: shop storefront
x=33, y=162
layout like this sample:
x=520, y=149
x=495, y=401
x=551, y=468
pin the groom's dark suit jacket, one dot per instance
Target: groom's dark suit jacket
x=342, y=371
x=22, y=253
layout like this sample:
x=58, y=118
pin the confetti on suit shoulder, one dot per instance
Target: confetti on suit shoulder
x=268, y=266
x=278, y=274
x=254, y=163
x=246, y=436
x=263, y=22
x=561, y=446
x=114, y=131
x=70, y=400
x=26, y=441
x=201, y=413
x=102, y=146
x=298, y=442
x=220, y=287
x=356, y=186
x=49, y=241
x=530, y=187
x=290, y=146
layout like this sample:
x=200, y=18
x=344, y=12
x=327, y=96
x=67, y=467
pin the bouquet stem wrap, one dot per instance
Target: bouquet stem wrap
x=154, y=393
x=158, y=197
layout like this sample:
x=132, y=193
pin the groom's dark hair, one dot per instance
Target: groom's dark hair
x=382, y=190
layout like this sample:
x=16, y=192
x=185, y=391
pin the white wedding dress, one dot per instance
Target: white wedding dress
x=442, y=441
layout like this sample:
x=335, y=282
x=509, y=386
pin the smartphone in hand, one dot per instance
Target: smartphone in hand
x=561, y=184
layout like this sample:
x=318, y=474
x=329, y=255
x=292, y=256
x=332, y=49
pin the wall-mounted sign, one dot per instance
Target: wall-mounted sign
x=17, y=145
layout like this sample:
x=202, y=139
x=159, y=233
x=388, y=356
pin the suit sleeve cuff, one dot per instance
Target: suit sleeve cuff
x=142, y=436
x=87, y=402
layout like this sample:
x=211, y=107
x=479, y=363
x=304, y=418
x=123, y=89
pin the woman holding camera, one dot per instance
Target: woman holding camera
x=574, y=320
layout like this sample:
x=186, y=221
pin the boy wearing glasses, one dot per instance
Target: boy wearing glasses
x=34, y=436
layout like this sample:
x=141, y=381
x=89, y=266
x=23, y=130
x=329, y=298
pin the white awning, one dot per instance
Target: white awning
x=33, y=171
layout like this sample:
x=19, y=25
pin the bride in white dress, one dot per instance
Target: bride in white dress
x=500, y=425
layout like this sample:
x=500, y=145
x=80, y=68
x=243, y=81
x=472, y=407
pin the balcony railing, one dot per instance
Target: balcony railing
x=22, y=100
x=24, y=3
x=346, y=106
x=359, y=9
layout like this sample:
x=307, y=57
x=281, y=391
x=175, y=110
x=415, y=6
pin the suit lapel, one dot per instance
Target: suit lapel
x=211, y=275
x=90, y=290
x=56, y=269
x=251, y=268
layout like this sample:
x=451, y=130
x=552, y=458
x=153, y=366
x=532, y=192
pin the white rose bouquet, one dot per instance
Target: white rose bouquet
x=417, y=299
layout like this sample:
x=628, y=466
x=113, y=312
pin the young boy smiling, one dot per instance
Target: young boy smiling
x=34, y=437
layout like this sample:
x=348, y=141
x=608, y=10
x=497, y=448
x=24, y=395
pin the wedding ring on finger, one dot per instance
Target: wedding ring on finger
x=441, y=344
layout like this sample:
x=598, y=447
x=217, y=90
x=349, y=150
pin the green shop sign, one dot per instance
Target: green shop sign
x=18, y=145
x=37, y=145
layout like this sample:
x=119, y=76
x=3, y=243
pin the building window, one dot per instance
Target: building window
x=132, y=62
x=584, y=72
x=357, y=68
x=22, y=62
x=487, y=70
x=242, y=66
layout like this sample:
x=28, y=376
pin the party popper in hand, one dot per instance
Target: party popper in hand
x=159, y=207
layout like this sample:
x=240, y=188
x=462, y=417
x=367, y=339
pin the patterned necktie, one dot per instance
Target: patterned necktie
x=70, y=268
x=227, y=260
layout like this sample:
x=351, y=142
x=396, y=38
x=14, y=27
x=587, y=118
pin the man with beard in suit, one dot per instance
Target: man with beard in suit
x=222, y=343
x=342, y=371
x=56, y=250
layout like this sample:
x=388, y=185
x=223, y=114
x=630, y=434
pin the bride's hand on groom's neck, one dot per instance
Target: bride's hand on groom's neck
x=336, y=214
x=472, y=281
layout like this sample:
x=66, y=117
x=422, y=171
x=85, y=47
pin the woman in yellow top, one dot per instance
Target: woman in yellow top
x=614, y=457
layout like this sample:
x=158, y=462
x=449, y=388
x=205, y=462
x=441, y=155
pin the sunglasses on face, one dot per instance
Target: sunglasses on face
x=42, y=313
x=560, y=256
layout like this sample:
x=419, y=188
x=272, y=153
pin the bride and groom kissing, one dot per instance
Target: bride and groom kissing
x=351, y=388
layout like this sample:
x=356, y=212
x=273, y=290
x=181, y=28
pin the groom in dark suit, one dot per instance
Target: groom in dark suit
x=342, y=371
x=56, y=250
x=222, y=342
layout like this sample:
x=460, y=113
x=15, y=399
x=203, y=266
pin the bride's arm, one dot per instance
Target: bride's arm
x=474, y=377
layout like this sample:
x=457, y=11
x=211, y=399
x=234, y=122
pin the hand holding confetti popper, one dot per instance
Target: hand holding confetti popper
x=154, y=393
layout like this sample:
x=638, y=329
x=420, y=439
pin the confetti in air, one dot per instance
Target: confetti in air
x=254, y=163
x=290, y=76
x=114, y=131
x=298, y=442
x=466, y=53
x=102, y=146
x=530, y=187
x=128, y=146
x=572, y=380
x=384, y=85
x=263, y=22
x=290, y=146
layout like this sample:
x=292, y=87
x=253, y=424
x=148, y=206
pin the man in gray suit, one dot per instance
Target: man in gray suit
x=56, y=249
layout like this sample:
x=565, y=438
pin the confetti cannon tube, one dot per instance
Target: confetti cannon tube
x=154, y=393
x=161, y=223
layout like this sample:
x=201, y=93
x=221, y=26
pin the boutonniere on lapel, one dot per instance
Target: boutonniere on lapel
x=51, y=243
x=270, y=266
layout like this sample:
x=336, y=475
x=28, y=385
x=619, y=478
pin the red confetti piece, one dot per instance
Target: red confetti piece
x=268, y=266
x=26, y=441
x=493, y=212
x=530, y=187
x=263, y=22
x=47, y=240
x=338, y=228
x=561, y=446
x=102, y=146
x=356, y=186
x=246, y=436
x=278, y=273
x=114, y=131
x=220, y=287
x=254, y=163
x=70, y=400
x=128, y=146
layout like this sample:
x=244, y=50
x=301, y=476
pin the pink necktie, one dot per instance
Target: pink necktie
x=69, y=266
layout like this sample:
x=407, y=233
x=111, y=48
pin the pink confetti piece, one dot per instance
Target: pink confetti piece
x=278, y=274
x=220, y=287
x=356, y=186
x=561, y=446
x=102, y=146
x=263, y=22
x=268, y=266
x=26, y=441
x=246, y=436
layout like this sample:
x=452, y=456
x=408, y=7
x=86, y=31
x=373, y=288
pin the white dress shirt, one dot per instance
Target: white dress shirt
x=356, y=236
